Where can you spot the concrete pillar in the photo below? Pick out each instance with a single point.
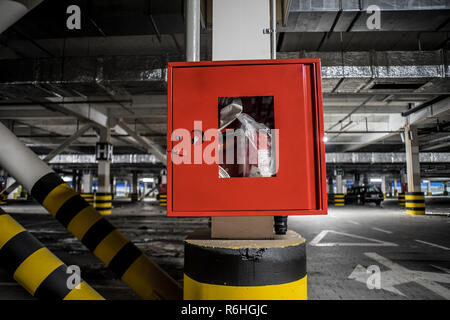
(344, 186)
(412, 159)
(383, 185)
(414, 198)
(134, 187)
(339, 189)
(445, 188)
(395, 187)
(86, 181)
(104, 184)
(365, 180)
(429, 188)
(102, 197)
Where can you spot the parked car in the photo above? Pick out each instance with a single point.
(364, 194)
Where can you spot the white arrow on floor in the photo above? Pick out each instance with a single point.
(398, 275)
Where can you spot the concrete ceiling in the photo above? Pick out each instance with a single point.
(52, 80)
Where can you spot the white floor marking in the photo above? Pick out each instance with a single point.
(432, 244)
(354, 222)
(398, 275)
(373, 242)
(381, 230)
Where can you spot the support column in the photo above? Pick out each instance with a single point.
(213, 268)
(445, 188)
(383, 186)
(134, 187)
(414, 198)
(429, 193)
(102, 198)
(86, 187)
(339, 197)
(395, 188)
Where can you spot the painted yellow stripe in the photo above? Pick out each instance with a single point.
(415, 205)
(35, 269)
(144, 275)
(109, 246)
(8, 229)
(103, 197)
(103, 205)
(83, 221)
(339, 204)
(419, 197)
(415, 213)
(57, 197)
(194, 290)
(85, 292)
(163, 196)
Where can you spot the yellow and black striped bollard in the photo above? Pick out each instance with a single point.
(415, 203)
(89, 197)
(3, 198)
(163, 200)
(34, 267)
(401, 199)
(339, 199)
(103, 202)
(107, 243)
(245, 270)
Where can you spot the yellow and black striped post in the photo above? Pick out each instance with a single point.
(339, 199)
(89, 197)
(245, 269)
(134, 197)
(415, 203)
(3, 198)
(401, 199)
(34, 267)
(107, 243)
(103, 202)
(163, 199)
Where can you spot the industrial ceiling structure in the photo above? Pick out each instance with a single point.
(112, 73)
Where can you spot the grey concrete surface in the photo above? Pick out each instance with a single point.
(411, 252)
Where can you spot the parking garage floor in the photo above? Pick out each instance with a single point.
(346, 249)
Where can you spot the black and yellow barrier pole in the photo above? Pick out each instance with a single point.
(103, 202)
(415, 203)
(339, 199)
(245, 269)
(163, 199)
(89, 197)
(3, 198)
(129, 263)
(35, 268)
(401, 199)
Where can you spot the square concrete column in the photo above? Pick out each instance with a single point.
(412, 159)
(383, 185)
(104, 182)
(339, 187)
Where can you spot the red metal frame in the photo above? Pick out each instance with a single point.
(309, 75)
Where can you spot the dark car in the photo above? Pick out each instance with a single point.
(361, 195)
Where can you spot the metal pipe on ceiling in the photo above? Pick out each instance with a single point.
(424, 105)
(192, 33)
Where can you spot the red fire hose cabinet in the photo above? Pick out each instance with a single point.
(245, 138)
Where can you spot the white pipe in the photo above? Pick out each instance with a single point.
(273, 27)
(20, 162)
(12, 11)
(192, 30)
